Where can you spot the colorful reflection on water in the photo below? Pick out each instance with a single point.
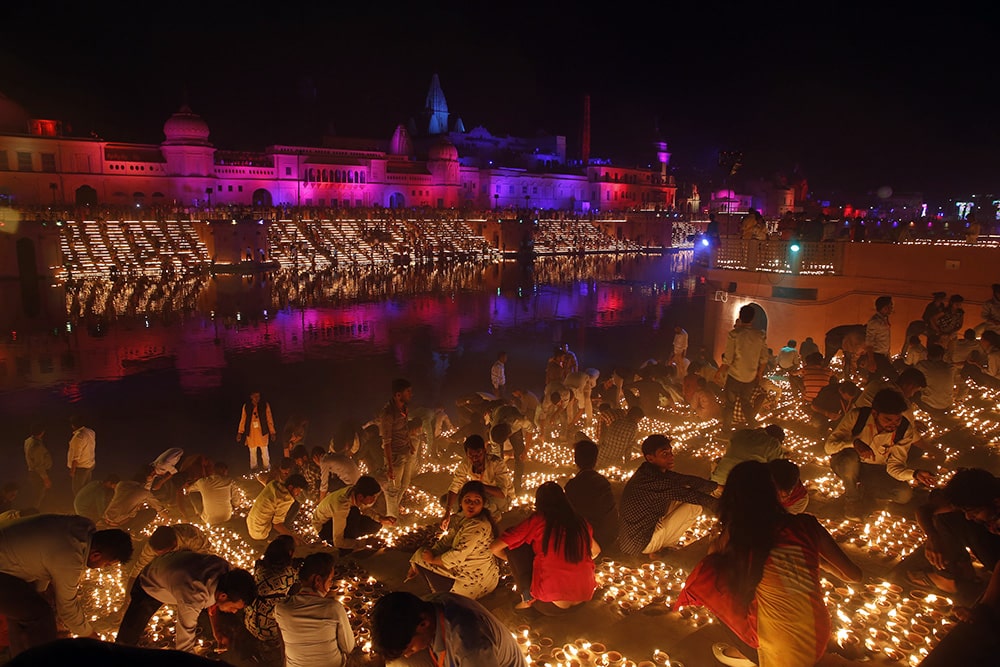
(183, 354)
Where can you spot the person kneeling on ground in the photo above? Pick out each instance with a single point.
(52, 550)
(342, 516)
(314, 625)
(480, 466)
(461, 561)
(551, 554)
(976, 640)
(194, 583)
(658, 505)
(964, 516)
(446, 628)
(868, 451)
(750, 444)
(762, 574)
(590, 494)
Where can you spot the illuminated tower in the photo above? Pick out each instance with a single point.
(663, 157)
(436, 108)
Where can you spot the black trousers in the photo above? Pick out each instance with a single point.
(358, 525)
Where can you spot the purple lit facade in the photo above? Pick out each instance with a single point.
(434, 163)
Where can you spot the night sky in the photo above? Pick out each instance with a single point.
(852, 97)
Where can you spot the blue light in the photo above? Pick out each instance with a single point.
(795, 247)
(704, 242)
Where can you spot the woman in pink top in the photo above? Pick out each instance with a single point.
(551, 554)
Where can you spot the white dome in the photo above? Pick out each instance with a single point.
(186, 127)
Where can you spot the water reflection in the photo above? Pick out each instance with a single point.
(99, 330)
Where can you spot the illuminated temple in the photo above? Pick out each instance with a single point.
(430, 162)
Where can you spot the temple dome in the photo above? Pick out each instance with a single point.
(186, 127)
(442, 149)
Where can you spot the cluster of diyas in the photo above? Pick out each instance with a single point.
(581, 652)
(103, 595)
(636, 588)
(884, 535)
(357, 591)
(878, 618)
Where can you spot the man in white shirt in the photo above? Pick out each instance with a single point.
(878, 337)
(337, 469)
(680, 345)
(489, 469)
(166, 539)
(498, 374)
(743, 363)
(193, 583)
(218, 495)
(39, 462)
(51, 551)
(82, 455)
(340, 518)
(126, 509)
(868, 452)
(271, 506)
(164, 467)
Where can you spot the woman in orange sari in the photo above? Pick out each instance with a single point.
(767, 563)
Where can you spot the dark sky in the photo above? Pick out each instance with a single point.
(855, 97)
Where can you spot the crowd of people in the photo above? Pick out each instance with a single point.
(761, 577)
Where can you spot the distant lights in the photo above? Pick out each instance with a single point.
(795, 247)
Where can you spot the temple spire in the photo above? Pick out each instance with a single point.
(436, 108)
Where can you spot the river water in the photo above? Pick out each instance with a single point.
(153, 366)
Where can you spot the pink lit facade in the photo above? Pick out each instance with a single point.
(39, 166)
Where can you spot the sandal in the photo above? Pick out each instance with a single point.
(724, 654)
(928, 579)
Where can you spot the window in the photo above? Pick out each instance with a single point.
(220, 188)
(230, 188)
(4, 165)
(498, 189)
(288, 171)
(240, 188)
(24, 161)
(534, 190)
(49, 162)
